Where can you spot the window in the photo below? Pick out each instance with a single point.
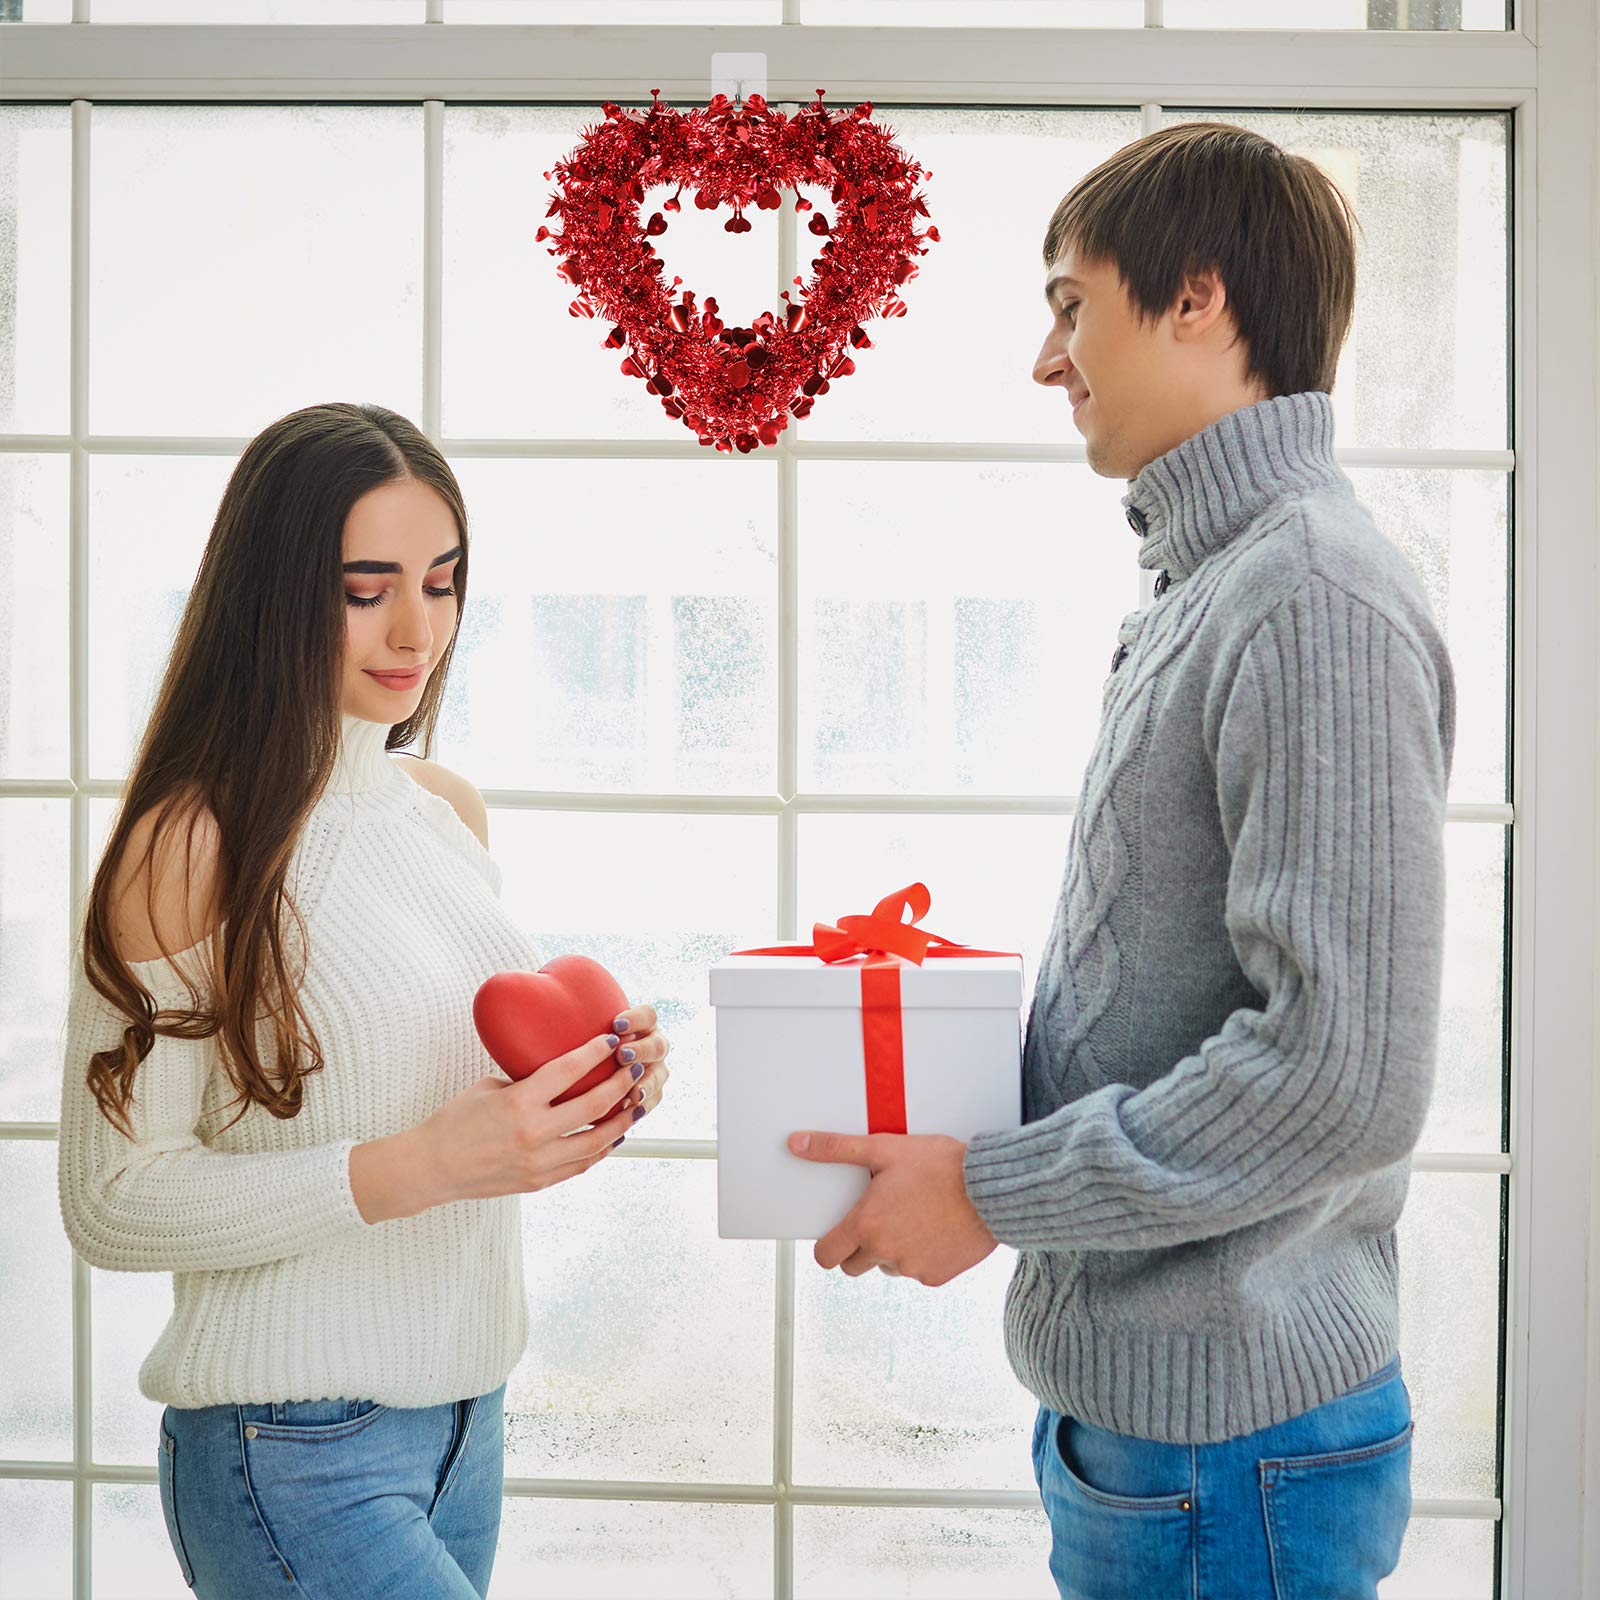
(740, 694)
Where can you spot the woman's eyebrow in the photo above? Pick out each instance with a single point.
(394, 566)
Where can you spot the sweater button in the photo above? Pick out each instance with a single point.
(1163, 583)
(1136, 520)
(1120, 656)
(249, 1433)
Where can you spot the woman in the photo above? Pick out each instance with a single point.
(347, 1292)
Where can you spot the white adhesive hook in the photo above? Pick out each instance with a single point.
(739, 74)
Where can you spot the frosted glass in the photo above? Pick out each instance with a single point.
(515, 363)
(35, 940)
(1432, 15)
(1443, 1558)
(883, 1553)
(42, 11)
(654, 13)
(959, 364)
(994, 879)
(620, 628)
(657, 900)
(133, 1558)
(130, 1309)
(35, 1315)
(599, 1549)
(650, 1350)
(874, 1405)
(1425, 365)
(33, 615)
(286, 269)
(35, 266)
(258, 11)
(974, 13)
(1452, 527)
(36, 1559)
(1465, 1113)
(149, 519)
(945, 608)
(1449, 1246)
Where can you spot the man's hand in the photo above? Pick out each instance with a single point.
(915, 1219)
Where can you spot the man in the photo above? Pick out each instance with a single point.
(1229, 1056)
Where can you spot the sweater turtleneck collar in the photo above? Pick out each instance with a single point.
(1189, 502)
(362, 764)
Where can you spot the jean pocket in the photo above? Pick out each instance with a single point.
(1335, 1521)
(1178, 1501)
(166, 1465)
(311, 1421)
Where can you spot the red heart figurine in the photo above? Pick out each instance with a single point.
(528, 1018)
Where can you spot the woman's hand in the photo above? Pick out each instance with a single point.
(642, 1041)
(503, 1137)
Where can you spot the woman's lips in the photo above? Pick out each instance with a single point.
(397, 680)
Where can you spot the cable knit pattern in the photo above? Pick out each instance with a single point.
(281, 1290)
(1230, 1052)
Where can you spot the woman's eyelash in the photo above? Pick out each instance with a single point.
(377, 599)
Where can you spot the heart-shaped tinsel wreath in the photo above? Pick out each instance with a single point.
(736, 388)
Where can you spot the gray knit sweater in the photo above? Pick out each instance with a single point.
(1231, 1047)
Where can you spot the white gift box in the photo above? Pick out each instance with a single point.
(790, 1056)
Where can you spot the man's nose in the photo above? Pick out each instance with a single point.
(1051, 365)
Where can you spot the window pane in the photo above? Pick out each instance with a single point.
(287, 266)
(873, 1402)
(1453, 528)
(598, 1549)
(33, 616)
(657, 900)
(132, 1557)
(35, 938)
(37, 1518)
(650, 1349)
(942, 606)
(933, 1554)
(1449, 1248)
(515, 363)
(1424, 15)
(975, 13)
(959, 364)
(1425, 365)
(35, 1317)
(655, 13)
(130, 1309)
(1443, 1558)
(149, 519)
(35, 265)
(258, 11)
(620, 628)
(993, 879)
(39, 11)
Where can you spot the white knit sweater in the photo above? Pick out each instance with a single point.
(281, 1291)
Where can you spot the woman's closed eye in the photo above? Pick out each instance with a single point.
(377, 599)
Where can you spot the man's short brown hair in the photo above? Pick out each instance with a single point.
(1203, 195)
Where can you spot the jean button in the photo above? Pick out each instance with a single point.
(249, 1433)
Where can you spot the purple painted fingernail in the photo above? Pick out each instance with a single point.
(629, 1054)
(638, 1111)
(619, 1141)
(638, 1070)
(612, 1041)
(621, 1024)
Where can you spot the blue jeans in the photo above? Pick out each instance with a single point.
(1312, 1509)
(334, 1499)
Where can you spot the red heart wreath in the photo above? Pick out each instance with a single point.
(737, 387)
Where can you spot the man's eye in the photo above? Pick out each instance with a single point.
(1070, 309)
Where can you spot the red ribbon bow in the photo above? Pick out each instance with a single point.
(885, 939)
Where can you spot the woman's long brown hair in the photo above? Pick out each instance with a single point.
(247, 723)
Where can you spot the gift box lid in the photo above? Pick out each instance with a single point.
(943, 981)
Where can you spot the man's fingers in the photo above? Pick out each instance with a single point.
(839, 1243)
(858, 1149)
(860, 1262)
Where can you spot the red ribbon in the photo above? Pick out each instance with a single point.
(885, 940)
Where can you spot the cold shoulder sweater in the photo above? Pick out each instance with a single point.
(281, 1290)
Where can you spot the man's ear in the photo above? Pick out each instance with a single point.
(1201, 303)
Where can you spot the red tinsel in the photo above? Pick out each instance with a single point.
(736, 388)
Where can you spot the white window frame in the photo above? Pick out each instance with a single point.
(1543, 73)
